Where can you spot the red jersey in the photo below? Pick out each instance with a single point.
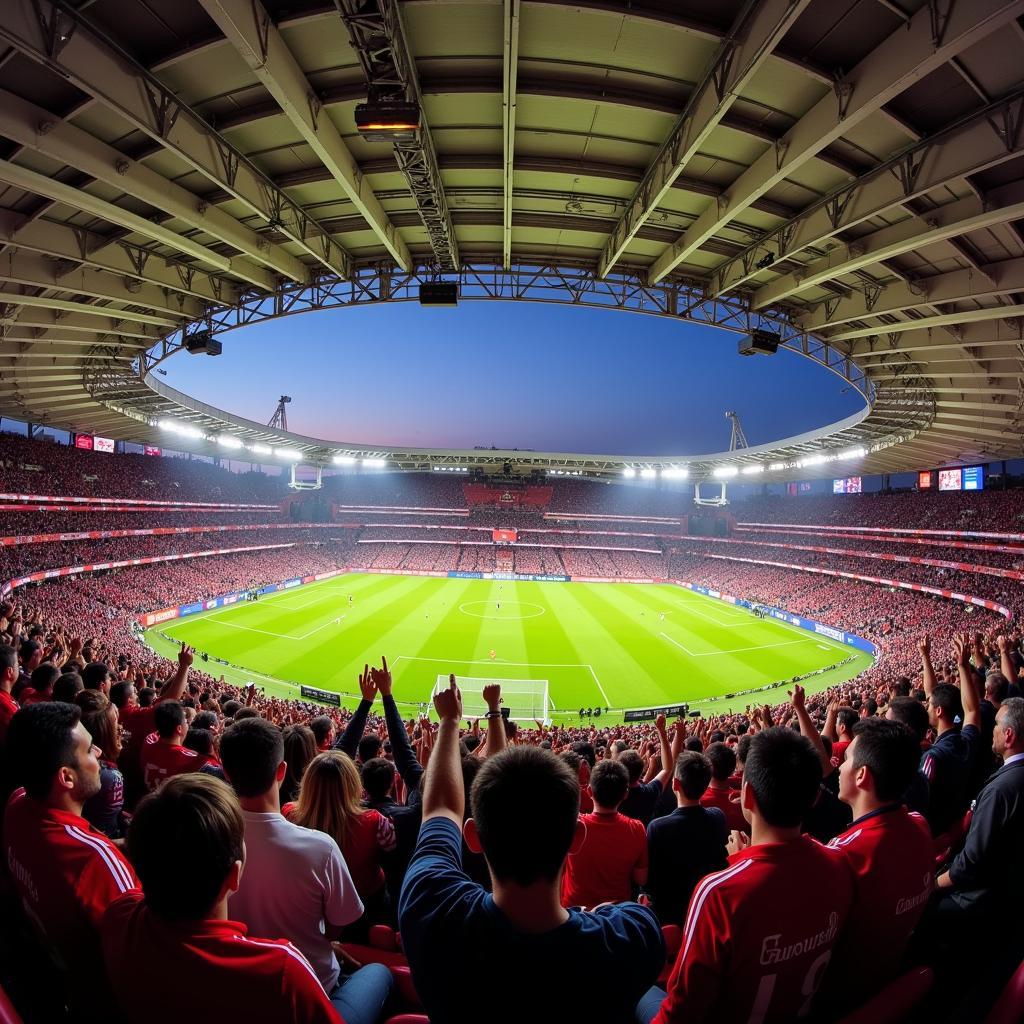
(33, 696)
(602, 870)
(370, 835)
(893, 861)
(162, 760)
(722, 799)
(260, 981)
(758, 935)
(839, 750)
(139, 722)
(67, 874)
(8, 709)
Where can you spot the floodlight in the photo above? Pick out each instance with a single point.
(675, 473)
(648, 473)
(812, 460)
(776, 466)
(375, 463)
(852, 453)
(724, 471)
(387, 120)
(184, 429)
(344, 460)
(288, 453)
(756, 468)
(227, 441)
(628, 472)
(261, 449)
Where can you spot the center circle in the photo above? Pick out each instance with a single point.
(466, 605)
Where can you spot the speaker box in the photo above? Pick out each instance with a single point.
(439, 293)
(202, 344)
(763, 342)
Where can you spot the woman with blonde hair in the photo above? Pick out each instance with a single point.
(331, 801)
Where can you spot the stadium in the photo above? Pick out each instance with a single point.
(315, 722)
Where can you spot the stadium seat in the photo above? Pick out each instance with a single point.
(408, 1018)
(385, 937)
(894, 1002)
(1009, 1008)
(8, 1014)
(673, 936)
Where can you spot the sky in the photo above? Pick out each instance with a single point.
(512, 375)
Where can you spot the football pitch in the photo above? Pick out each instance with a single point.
(607, 645)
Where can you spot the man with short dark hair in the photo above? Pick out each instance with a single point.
(525, 804)
(846, 719)
(296, 882)
(759, 934)
(949, 761)
(890, 853)
(720, 792)
(323, 731)
(167, 755)
(643, 796)
(687, 844)
(913, 714)
(186, 839)
(8, 677)
(612, 861)
(65, 871)
(97, 676)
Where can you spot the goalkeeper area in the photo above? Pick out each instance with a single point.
(555, 647)
(526, 699)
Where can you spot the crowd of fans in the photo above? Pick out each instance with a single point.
(175, 846)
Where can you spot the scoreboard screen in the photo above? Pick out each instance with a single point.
(974, 478)
(950, 479)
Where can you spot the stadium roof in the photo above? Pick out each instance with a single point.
(846, 173)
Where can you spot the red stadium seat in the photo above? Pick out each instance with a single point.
(8, 1014)
(408, 1018)
(673, 936)
(894, 1002)
(1009, 1009)
(383, 936)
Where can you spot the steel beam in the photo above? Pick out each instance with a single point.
(993, 279)
(25, 267)
(8, 298)
(77, 323)
(510, 73)
(76, 247)
(43, 132)
(378, 39)
(903, 58)
(248, 27)
(42, 185)
(66, 41)
(988, 137)
(758, 28)
(957, 218)
(965, 316)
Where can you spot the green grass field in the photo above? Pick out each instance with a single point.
(616, 645)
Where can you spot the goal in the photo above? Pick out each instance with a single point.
(526, 699)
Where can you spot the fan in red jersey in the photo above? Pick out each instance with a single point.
(750, 950)
(167, 757)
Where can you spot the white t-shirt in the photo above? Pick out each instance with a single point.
(294, 884)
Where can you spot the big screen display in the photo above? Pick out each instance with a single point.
(950, 479)
(924, 480)
(103, 444)
(84, 441)
(150, 449)
(848, 485)
(504, 536)
(974, 478)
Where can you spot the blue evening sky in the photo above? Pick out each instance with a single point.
(512, 375)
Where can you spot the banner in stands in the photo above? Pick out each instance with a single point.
(942, 563)
(458, 574)
(803, 527)
(149, 502)
(649, 714)
(503, 536)
(156, 531)
(322, 696)
(968, 545)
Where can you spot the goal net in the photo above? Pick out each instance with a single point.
(526, 699)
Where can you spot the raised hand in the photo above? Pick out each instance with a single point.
(448, 703)
(962, 646)
(796, 695)
(367, 685)
(381, 678)
(186, 656)
(491, 695)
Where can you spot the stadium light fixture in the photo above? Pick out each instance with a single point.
(648, 473)
(181, 428)
(344, 460)
(260, 449)
(775, 467)
(227, 441)
(628, 472)
(756, 468)
(725, 471)
(375, 463)
(812, 460)
(288, 453)
(675, 473)
(852, 453)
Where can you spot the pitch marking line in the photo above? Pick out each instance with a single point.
(734, 650)
(511, 664)
(265, 632)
